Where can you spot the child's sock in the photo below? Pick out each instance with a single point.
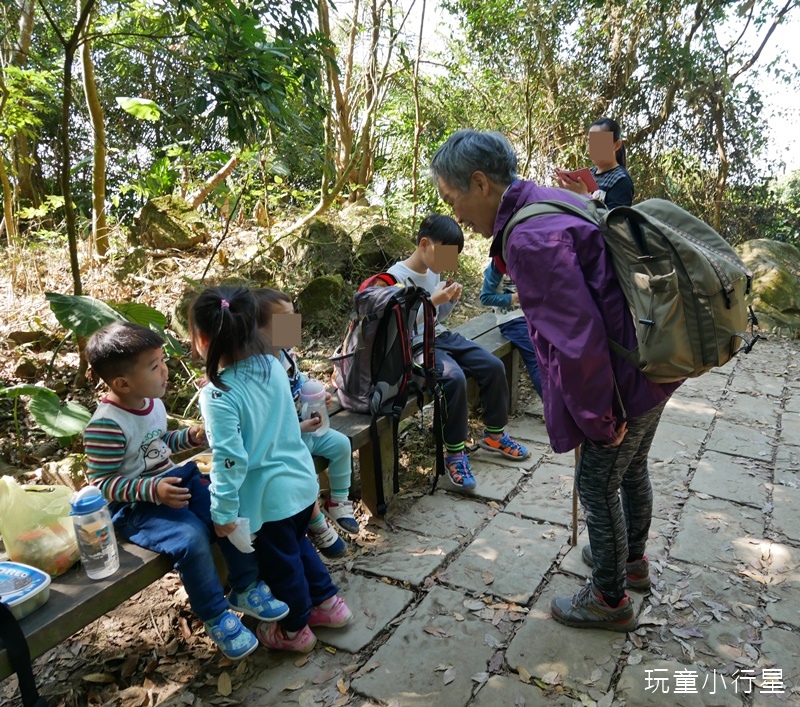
(339, 495)
(495, 430)
(329, 602)
(291, 634)
(318, 524)
(453, 449)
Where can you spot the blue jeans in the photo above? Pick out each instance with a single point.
(185, 535)
(291, 566)
(516, 331)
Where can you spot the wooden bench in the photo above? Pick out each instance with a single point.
(75, 601)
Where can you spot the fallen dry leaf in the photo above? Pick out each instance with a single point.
(437, 631)
(296, 684)
(99, 678)
(300, 662)
(341, 686)
(224, 686)
(524, 675)
(324, 676)
(457, 616)
(480, 678)
(448, 676)
(488, 578)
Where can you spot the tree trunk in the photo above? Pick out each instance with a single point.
(417, 125)
(99, 225)
(199, 197)
(22, 152)
(722, 154)
(8, 196)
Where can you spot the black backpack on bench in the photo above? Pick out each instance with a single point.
(20, 657)
(375, 368)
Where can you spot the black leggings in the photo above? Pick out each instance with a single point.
(614, 487)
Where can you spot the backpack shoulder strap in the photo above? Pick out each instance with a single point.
(19, 657)
(591, 213)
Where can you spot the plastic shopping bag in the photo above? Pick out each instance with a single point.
(36, 527)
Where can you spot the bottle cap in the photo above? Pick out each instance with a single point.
(312, 390)
(87, 500)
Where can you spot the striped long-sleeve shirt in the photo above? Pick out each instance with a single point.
(127, 450)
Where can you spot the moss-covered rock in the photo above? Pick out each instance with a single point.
(131, 263)
(321, 300)
(169, 222)
(322, 249)
(776, 282)
(380, 247)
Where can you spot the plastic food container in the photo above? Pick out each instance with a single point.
(23, 588)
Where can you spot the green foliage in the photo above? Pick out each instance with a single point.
(64, 421)
(82, 315)
(142, 108)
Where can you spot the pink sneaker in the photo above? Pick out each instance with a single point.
(275, 638)
(336, 616)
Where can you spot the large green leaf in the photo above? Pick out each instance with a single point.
(27, 389)
(83, 315)
(140, 313)
(62, 421)
(142, 108)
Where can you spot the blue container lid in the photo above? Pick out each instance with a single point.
(87, 500)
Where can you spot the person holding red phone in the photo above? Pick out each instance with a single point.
(607, 152)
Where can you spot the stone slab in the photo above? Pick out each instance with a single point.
(786, 511)
(669, 482)
(373, 603)
(676, 443)
(790, 434)
(787, 466)
(653, 683)
(507, 542)
(783, 585)
(443, 515)
(565, 459)
(719, 534)
(583, 659)
(740, 440)
(689, 412)
(528, 429)
(764, 382)
(502, 691)
(780, 650)
(404, 668)
(793, 402)
(495, 481)
(405, 556)
(733, 478)
(546, 495)
(750, 409)
(709, 387)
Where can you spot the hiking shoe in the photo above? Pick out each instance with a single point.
(342, 515)
(637, 573)
(233, 639)
(505, 445)
(257, 601)
(458, 472)
(276, 639)
(588, 609)
(335, 616)
(328, 543)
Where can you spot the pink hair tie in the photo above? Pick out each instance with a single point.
(224, 304)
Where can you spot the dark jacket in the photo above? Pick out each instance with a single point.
(573, 303)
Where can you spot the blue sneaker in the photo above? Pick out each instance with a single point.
(459, 473)
(233, 639)
(328, 543)
(257, 601)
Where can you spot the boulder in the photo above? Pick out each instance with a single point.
(776, 282)
(132, 262)
(379, 247)
(322, 249)
(69, 471)
(169, 222)
(320, 302)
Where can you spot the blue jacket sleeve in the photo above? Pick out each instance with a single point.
(489, 295)
(229, 457)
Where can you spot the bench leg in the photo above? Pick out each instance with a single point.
(366, 463)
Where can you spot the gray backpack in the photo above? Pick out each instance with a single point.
(683, 282)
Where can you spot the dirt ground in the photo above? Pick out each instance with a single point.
(152, 646)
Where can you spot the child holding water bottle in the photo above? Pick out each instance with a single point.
(317, 435)
(261, 470)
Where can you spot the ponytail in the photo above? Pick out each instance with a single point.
(228, 318)
(612, 126)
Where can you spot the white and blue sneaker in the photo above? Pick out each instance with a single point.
(233, 639)
(257, 601)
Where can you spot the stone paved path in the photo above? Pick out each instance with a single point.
(451, 603)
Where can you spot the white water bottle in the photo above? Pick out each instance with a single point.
(312, 396)
(95, 533)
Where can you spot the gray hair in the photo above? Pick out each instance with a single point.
(469, 151)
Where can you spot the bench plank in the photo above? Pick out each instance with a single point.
(75, 600)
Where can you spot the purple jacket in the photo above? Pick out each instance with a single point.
(573, 304)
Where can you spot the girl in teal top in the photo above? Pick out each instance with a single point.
(261, 470)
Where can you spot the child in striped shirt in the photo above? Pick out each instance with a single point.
(155, 504)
